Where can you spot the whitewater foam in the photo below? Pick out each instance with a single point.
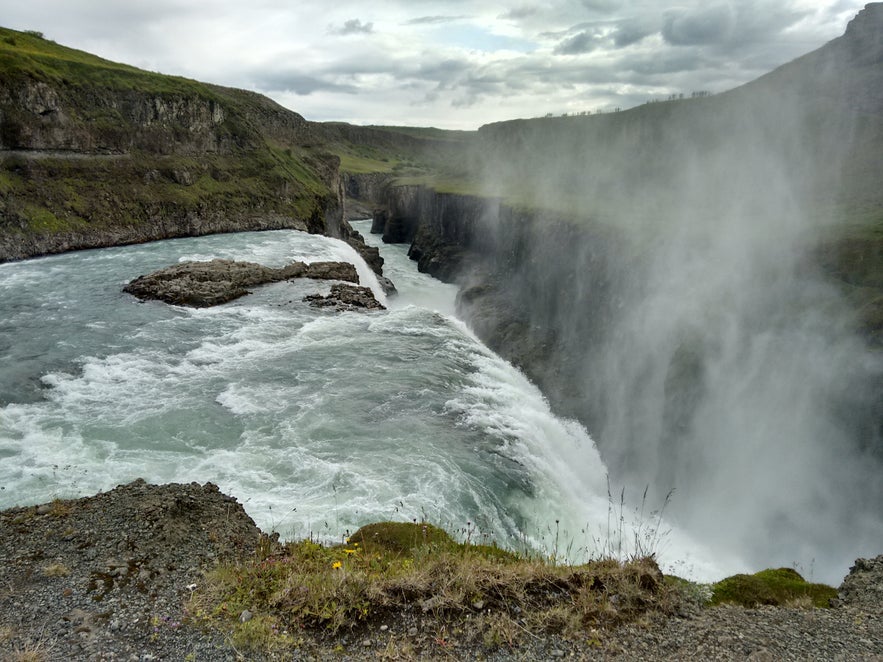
(318, 422)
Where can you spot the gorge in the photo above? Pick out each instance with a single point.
(697, 282)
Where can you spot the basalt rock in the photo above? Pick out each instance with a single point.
(863, 586)
(388, 286)
(204, 284)
(346, 297)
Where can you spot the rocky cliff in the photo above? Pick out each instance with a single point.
(520, 271)
(95, 153)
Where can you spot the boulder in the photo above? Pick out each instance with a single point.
(388, 286)
(346, 297)
(863, 586)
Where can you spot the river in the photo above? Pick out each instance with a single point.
(318, 422)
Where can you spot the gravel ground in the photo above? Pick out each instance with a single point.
(107, 578)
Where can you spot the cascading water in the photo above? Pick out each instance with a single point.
(318, 422)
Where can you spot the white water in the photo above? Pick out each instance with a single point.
(317, 422)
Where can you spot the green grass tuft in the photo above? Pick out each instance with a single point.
(778, 587)
(390, 567)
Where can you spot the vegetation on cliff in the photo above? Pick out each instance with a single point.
(488, 596)
(97, 153)
(393, 568)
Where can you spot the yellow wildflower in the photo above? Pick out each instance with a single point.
(349, 551)
(336, 565)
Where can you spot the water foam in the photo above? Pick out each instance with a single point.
(318, 423)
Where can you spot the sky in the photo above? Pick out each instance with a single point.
(453, 64)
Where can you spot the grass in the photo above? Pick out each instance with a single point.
(476, 594)
(27, 53)
(30, 650)
(779, 587)
(44, 196)
(390, 568)
(56, 570)
(355, 164)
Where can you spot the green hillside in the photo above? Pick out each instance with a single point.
(96, 153)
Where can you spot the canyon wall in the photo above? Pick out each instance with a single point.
(95, 153)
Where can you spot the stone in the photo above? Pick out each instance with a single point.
(388, 286)
(863, 586)
(346, 297)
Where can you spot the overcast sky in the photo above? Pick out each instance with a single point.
(448, 63)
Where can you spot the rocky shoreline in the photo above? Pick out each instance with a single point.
(109, 577)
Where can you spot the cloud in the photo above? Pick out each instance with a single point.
(434, 20)
(429, 63)
(730, 25)
(353, 26)
(301, 85)
(604, 6)
(519, 13)
(705, 25)
(582, 42)
(631, 31)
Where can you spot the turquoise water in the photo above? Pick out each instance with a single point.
(318, 422)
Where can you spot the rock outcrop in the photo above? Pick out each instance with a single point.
(346, 297)
(863, 586)
(362, 193)
(445, 231)
(204, 284)
(104, 154)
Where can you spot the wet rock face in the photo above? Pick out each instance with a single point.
(204, 284)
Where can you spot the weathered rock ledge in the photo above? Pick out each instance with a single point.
(204, 284)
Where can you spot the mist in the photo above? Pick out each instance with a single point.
(686, 318)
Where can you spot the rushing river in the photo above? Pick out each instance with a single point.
(318, 422)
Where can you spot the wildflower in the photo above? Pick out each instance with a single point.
(336, 565)
(349, 551)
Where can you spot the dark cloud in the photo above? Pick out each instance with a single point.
(444, 72)
(729, 26)
(301, 84)
(590, 36)
(654, 67)
(631, 31)
(433, 20)
(605, 6)
(707, 25)
(354, 26)
(519, 13)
